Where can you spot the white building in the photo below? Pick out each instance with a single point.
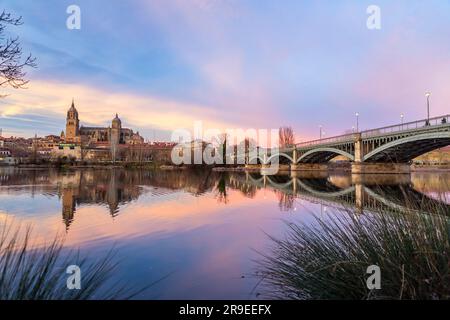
(4, 152)
(66, 150)
(6, 158)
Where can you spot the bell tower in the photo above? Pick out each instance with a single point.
(72, 124)
(116, 128)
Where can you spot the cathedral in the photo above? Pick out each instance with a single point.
(98, 136)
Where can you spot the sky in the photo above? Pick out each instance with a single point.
(163, 64)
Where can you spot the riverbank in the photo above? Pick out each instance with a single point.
(430, 168)
(89, 165)
(248, 168)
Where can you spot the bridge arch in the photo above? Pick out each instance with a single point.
(271, 157)
(280, 155)
(280, 186)
(384, 201)
(276, 185)
(406, 149)
(324, 155)
(324, 194)
(250, 160)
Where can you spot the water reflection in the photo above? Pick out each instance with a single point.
(364, 192)
(116, 188)
(401, 229)
(110, 188)
(202, 226)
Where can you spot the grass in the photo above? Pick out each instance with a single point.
(328, 259)
(29, 272)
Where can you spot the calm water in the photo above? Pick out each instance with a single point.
(201, 229)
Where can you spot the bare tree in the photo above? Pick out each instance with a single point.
(11, 63)
(246, 148)
(221, 142)
(286, 135)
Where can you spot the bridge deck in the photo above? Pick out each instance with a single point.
(398, 129)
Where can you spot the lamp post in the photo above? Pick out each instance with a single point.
(428, 94)
(401, 117)
(320, 129)
(357, 121)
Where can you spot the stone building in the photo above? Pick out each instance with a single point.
(104, 136)
(104, 144)
(68, 151)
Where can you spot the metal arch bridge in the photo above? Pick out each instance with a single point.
(393, 144)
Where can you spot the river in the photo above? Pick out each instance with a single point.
(199, 233)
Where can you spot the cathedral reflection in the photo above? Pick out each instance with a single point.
(111, 188)
(114, 188)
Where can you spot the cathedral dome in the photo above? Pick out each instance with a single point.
(116, 122)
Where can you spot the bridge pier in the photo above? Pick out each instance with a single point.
(309, 167)
(294, 185)
(360, 167)
(294, 156)
(358, 148)
(392, 168)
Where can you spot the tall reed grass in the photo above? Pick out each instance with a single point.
(31, 272)
(328, 259)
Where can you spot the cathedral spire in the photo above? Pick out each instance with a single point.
(72, 106)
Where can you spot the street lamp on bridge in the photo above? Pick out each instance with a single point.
(428, 94)
(401, 117)
(320, 129)
(357, 121)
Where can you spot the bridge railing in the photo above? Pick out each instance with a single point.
(435, 121)
(335, 139)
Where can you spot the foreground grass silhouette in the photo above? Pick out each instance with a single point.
(328, 259)
(29, 272)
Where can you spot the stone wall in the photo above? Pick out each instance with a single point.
(379, 168)
(440, 156)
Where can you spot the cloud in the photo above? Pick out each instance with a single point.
(98, 106)
(236, 64)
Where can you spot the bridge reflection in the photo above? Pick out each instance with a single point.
(368, 192)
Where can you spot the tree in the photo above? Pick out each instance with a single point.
(247, 148)
(221, 142)
(12, 65)
(286, 135)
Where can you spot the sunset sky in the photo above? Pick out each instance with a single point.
(164, 64)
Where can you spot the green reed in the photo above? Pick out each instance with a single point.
(31, 272)
(328, 259)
